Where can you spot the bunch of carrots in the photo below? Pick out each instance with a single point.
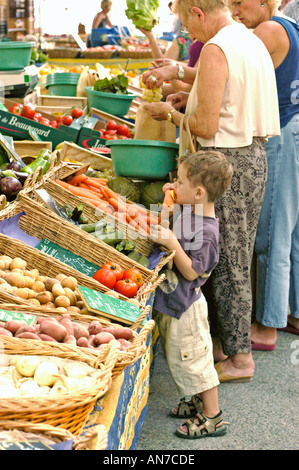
(96, 192)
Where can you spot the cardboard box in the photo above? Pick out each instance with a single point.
(72, 152)
(18, 127)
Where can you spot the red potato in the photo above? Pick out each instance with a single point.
(14, 325)
(27, 335)
(55, 330)
(103, 338)
(80, 330)
(95, 327)
(124, 333)
(26, 329)
(109, 329)
(82, 342)
(66, 321)
(5, 332)
(124, 344)
(44, 337)
(69, 339)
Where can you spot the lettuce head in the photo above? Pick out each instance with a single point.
(143, 13)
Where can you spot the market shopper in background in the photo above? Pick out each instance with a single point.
(102, 19)
(180, 308)
(232, 109)
(277, 241)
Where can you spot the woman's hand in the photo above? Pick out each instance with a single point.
(155, 77)
(178, 100)
(157, 63)
(158, 110)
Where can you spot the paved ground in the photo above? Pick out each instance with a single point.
(263, 413)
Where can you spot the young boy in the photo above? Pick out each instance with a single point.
(180, 308)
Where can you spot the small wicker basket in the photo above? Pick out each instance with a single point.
(96, 434)
(142, 54)
(66, 410)
(63, 53)
(97, 54)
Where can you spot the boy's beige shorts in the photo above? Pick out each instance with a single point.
(188, 348)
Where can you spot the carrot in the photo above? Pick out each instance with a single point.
(95, 190)
(168, 199)
(77, 179)
(143, 223)
(100, 180)
(81, 192)
(95, 184)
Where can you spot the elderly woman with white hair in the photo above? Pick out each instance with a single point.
(232, 107)
(277, 241)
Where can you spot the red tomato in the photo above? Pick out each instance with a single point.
(109, 137)
(135, 275)
(110, 132)
(67, 120)
(115, 268)
(44, 121)
(126, 287)
(17, 109)
(77, 112)
(105, 277)
(53, 124)
(111, 125)
(29, 111)
(37, 117)
(59, 118)
(123, 129)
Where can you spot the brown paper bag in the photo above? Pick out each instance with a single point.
(147, 128)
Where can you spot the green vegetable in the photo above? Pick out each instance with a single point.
(43, 160)
(151, 194)
(110, 238)
(117, 85)
(125, 246)
(124, 187)
(143, 13)
(68, 210)
(77, 212)
(141, 259)
(83, 219)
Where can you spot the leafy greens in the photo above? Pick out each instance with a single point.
(143, 13)
(117, 85)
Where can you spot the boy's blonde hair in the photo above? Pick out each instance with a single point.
(209, 168)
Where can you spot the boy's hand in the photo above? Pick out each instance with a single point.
(163, 235)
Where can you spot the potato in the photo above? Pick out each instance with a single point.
(95, 327)
(18, 263)
(80, 330)
(3, 264)
(25, 328)
(57, 289)
(103, 338)
(112, 293)
(49, 282)
(70, 295)
(61, 309)
(31, 293)
(82, 342)
(67, 323)
(7, 260)
(124, 344)
(22, 292)
(38, 286)
(5, 332)
(44, 337)
(34, 302)
(34, 273)
(74, 309)
(70, 282)
(50, 305)
(91, 342)
(53, 329)
(45, 297)
(14, 325)
(124, 333)
(62, 301)
(69, 339)
(109, 329)
(60, 277)
(27, 335)
(80, 304)
(6, 287)
(15, 279)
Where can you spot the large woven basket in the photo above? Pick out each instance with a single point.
(97, 54)
(94, 357)
(95, 437)
(142, 54)
(63, 53)
(68, 411)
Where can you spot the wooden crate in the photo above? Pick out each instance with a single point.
(73, 153)
(62, 101)
(30, 147)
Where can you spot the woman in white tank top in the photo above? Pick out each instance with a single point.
(233, 107)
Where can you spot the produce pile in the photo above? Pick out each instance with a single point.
(29, 111)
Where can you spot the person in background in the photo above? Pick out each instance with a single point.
(238, 128)
(102, 19)
(292, 10)
(277, 240)
(180, 308)
(176, 24)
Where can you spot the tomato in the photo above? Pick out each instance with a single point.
(105, 277)
(123, 129)
(67, 120)
(17, 109)
(37, 117)
(110, 132)
(59, 118)
(126, 287)
(44, 121)
(53, 124)
(109, 137)
(77, 112)
(115, 268)
(135, 275)
(28, 111)
(111, 125)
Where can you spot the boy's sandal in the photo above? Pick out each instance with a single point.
(187, 409)
(202, 426)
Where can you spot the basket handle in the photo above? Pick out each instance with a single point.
(140, 319)
(3, 202)
(184, 126)
(141, 337)
(31, 179)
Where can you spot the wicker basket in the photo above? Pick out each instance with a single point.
(63, 53)
(97, 54)
(143, 54)
(68, 411)
(97, 433)
(93, 356)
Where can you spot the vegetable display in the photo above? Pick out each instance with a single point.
(143, 13)
(117, 85)
(125, 282)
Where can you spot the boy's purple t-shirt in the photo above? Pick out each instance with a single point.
(199, 237)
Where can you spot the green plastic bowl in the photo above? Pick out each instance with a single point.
(15, 55)
(143, 159)
(62, 90)
(112, 103)
(62, 84)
